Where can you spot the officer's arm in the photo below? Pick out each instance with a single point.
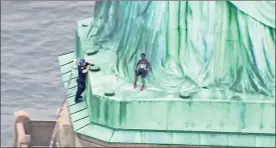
(85, 70)
(88, 63)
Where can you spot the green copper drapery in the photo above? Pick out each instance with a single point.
(227, 45)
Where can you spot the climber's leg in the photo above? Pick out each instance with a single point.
(137, 73)
(143, 75)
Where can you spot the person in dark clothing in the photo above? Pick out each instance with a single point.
(141, 69)
(81, 80)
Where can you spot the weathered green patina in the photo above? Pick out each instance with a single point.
(226, 64)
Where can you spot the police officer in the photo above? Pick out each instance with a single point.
(82, 71)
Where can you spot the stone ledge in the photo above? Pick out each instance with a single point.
(116, 137)
(230, 115)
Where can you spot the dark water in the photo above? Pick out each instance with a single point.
(33, 34)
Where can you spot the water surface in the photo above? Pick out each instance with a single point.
(33, 34)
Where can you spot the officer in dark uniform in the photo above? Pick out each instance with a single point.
(81, 80)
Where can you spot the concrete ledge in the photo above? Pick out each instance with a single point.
(92, 142)
(184, 115)
(139, 137)
(21, 129)
(66, 134)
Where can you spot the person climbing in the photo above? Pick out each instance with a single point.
(141, 69)
(81, 80)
